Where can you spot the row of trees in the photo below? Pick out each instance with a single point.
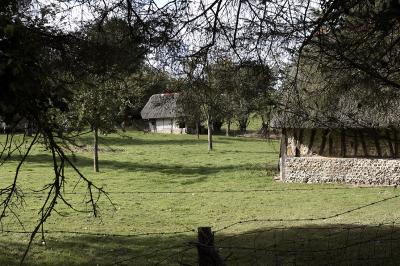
(210, 94)
(225, 91)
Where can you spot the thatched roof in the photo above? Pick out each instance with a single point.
(161, 106)
(346, 110)
(370, 119)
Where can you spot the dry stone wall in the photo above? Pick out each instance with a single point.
(360, 171)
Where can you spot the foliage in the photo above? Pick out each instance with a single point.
(115, 51)
(30, 63)
(204, 88)
(143, 84)
(203, 94)
(234, 92)
(98, 104)
(41, 68)
(348, 72)
(113, 48)
(114, 54)
(362, 51)
(252, 91)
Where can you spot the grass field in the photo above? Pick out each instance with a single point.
(255, 124)
(165, 186)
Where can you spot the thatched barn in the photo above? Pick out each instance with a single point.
(161, 114)
(353, 144)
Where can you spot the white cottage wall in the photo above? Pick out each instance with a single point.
(166, 125)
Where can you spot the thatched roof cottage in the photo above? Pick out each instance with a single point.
(161, 114)
(350, 142)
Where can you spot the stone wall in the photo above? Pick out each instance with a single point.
(342, 170)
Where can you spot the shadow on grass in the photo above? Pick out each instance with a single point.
(161, 139)
(248, 139)
(251, 152)
(156, 140)
(307, 245)
(168, 169)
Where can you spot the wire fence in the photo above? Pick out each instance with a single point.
(298, 241)
(276, 190)
(332, 245)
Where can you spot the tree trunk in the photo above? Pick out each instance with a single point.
(243, 125)
(242, 129)
(198, 130)
(96, 150)
(209, 127)
(264, 128)
(228, 128)
(28, 129)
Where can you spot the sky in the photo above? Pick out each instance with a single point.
(70, 15)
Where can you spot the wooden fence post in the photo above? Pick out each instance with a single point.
(208, 256)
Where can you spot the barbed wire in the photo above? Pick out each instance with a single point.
(303, 252)
(101, 234)
(286, 241)
(321, 218)
(224, 191)
(310, 219)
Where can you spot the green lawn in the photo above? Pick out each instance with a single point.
(161, 185)
(255, 124)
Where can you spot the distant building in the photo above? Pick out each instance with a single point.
(162, 116)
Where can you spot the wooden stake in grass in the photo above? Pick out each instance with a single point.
(208, 256)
